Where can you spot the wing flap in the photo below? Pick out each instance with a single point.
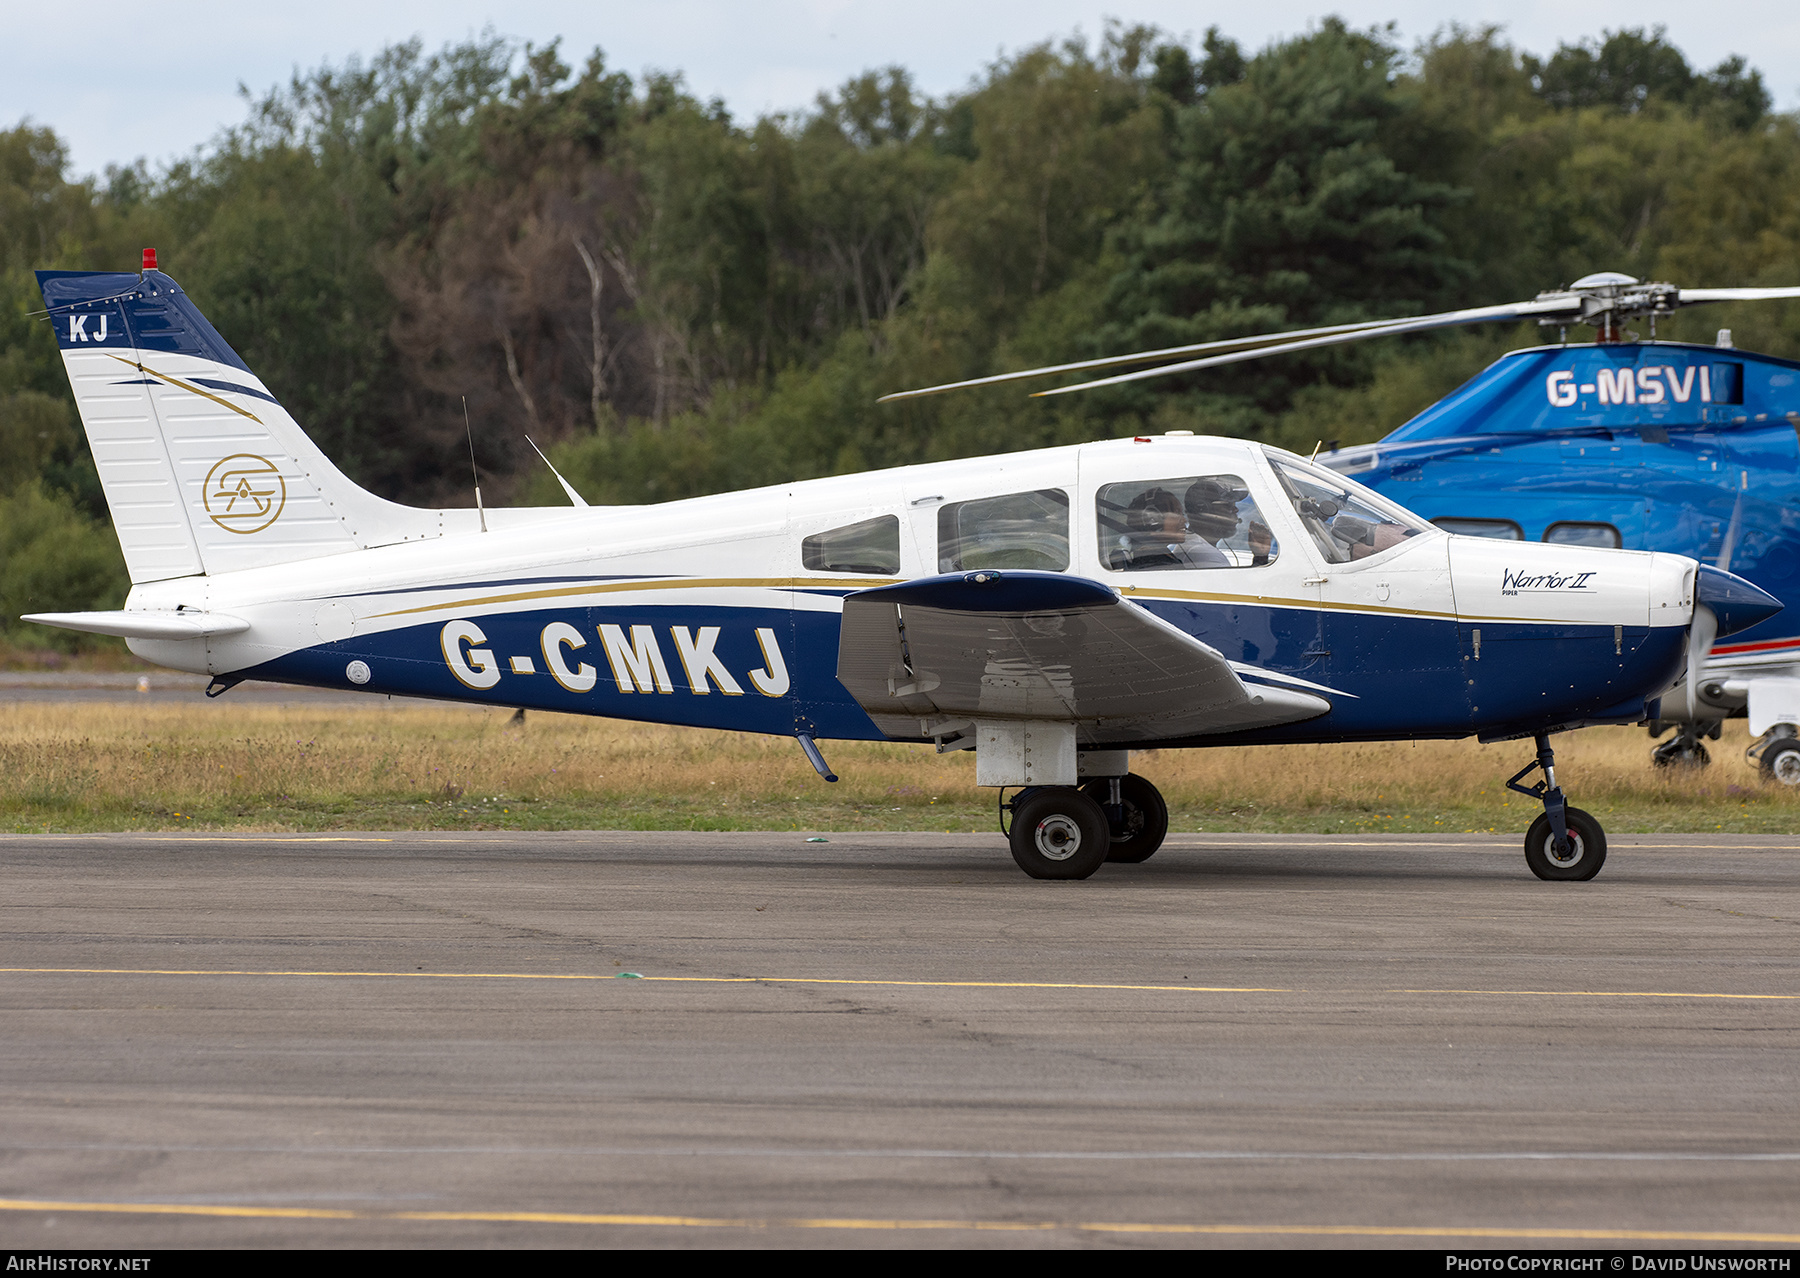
(924, 655)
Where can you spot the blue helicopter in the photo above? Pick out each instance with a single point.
(1616, 443)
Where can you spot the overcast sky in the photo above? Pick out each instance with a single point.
(158, 81)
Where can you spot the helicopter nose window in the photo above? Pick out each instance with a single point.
(1343, 523)
(1202, 521)
(871, 546)
(1574, 534)
(1019, 530)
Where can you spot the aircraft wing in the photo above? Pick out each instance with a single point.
(927, 658)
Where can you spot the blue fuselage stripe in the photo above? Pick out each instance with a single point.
(1398, 676)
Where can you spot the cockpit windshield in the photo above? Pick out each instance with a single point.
(1345, 520)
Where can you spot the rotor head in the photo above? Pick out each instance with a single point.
(1608, 298)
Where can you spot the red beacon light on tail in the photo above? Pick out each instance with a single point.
(149, 259)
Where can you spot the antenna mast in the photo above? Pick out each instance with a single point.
(480, 513)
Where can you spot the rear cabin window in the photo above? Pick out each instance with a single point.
(1019, 530)
(1202, 521)
(1582, 534)
(1498, 529)
(873, 546)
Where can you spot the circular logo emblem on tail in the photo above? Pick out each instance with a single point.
(244, 493)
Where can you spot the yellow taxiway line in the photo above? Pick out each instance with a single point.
(614, 976)
(872, 982)
(232, 1211)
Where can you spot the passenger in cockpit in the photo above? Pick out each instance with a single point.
(1212, 515)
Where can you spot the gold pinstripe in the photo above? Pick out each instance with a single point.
(670, 583)
(1319, 605)
(195, 390)
(866, 583)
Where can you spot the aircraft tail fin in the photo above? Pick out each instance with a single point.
(204, 470)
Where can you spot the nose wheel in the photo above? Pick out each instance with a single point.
(1564, 844)
(1577, 859)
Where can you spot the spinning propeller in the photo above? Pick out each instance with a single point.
(1604, 301)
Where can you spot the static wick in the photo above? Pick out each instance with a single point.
(479, 512)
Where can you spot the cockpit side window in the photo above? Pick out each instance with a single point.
(1019, 530)
(872, 546)
(1201, 521)
(1343, 524)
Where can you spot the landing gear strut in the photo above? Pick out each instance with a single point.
(1564, 843)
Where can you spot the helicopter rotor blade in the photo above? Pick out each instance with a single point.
(1139, 357)
(1445, 319)
(1690, 296)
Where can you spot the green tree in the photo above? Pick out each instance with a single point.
(1296, 198)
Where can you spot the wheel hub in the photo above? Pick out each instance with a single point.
(1786, 767)
(1058, 837)
(1564, 859)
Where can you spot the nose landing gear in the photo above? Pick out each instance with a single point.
(1564, 843)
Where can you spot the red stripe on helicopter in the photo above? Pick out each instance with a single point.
(1770, 645)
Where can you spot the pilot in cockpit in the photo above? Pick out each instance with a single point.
(1160, 537)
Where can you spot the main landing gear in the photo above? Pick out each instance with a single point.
(1564, 843)
(1060, 832)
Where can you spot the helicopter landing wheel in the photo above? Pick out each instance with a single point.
(1684, 750)
(1143, 817)
(1579, 861)
(1059, 833)
(1780, 762)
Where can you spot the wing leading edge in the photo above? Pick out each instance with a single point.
(928, 658)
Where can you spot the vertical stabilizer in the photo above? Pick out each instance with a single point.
(204, 471)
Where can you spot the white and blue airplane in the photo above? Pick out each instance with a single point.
(1050, 610)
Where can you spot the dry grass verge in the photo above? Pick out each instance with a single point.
(79, 766)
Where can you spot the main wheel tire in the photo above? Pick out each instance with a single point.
(1146, 822)
(1059, 833)
(1781, 761)
(1586, 854)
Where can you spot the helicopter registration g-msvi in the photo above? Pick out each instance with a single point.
(1050, 610)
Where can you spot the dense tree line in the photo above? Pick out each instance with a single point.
(674, 302)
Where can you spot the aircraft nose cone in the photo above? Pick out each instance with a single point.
(1735, 602)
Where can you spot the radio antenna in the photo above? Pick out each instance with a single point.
(479, 512)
